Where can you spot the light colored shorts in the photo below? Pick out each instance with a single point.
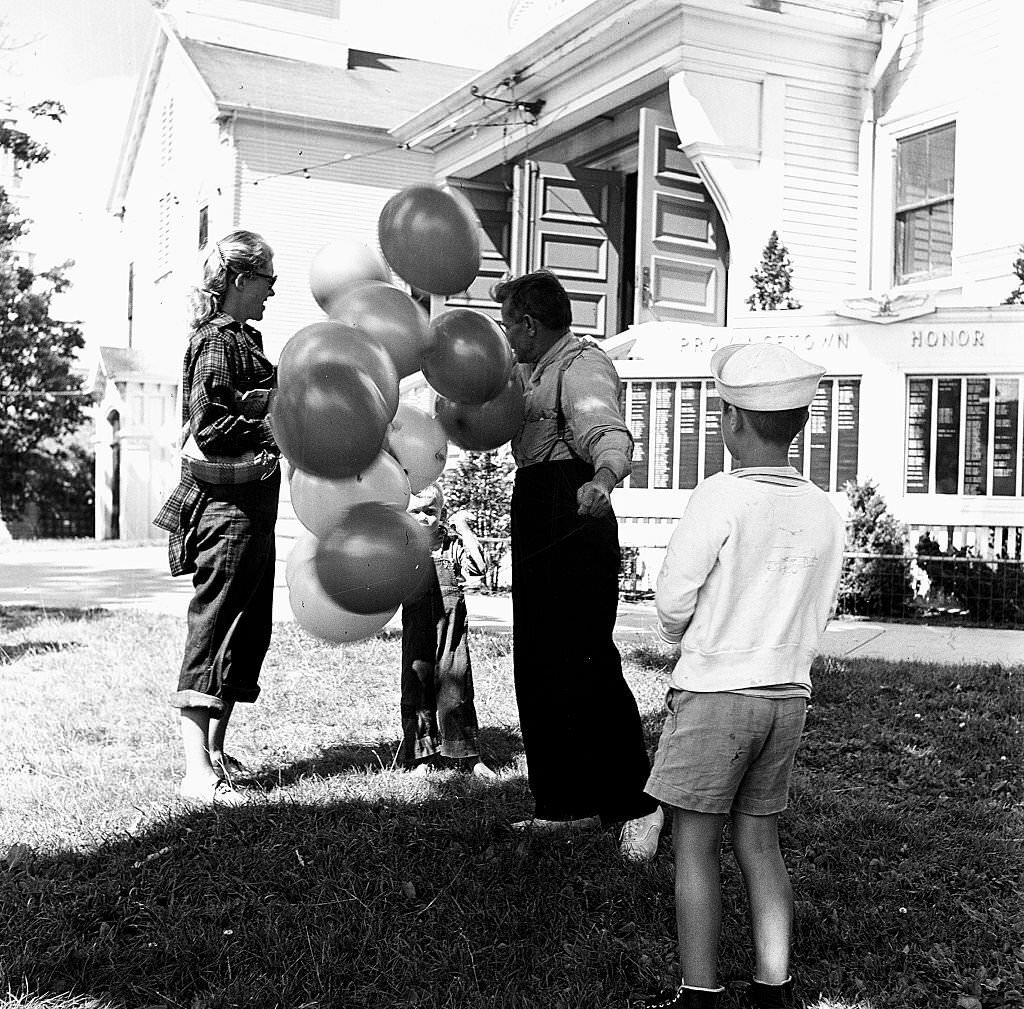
(722, 752)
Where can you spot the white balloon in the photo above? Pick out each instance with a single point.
(303, 551)
(419, 443)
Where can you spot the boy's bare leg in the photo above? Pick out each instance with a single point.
(218, 727)
(755, 841)
(195, 730)
(697, 840)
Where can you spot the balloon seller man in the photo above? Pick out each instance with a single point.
(438, 715)
(745, 591)
(586, 758)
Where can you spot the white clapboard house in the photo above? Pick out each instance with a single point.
(254, 114)
(645, 150)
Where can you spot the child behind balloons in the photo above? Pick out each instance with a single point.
(438, 714)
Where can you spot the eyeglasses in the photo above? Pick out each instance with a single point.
(506, 326)
(270, 278)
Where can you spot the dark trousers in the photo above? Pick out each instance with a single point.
(231, 612)
(438, 714)
(581, 727)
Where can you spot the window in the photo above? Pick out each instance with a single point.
(924, 204)
(204, 226)
(964, 435)
(677, 438)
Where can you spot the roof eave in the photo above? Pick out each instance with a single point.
(586, 34)
(141, 104)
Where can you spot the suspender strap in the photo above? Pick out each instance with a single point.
(560, 420)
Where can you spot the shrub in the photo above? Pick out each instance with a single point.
(880, 585)
(992, 592)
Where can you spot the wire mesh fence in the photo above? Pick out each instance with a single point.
(933, 588)
(965, 590)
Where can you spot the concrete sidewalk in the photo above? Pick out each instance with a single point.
(85, 574)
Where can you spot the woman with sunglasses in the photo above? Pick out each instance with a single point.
(223, 533)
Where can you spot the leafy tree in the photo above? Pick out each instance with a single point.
(41, 400)
(1017, 295)
(773, 279)
(878, 582)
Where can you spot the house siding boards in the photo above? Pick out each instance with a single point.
(299, 215)
(952, 42)
(820, 203)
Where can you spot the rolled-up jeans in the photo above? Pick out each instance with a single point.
(231, 612)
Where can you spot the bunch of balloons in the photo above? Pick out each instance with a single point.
(356, 452)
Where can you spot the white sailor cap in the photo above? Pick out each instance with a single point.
(764, 376)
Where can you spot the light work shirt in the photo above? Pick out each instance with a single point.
(594, 428)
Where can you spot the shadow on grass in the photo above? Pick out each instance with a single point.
(499, 747)
(11, 653)
(17, 618)
(423, 902)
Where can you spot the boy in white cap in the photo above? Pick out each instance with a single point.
(746, 589)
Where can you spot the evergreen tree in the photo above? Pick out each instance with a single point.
(482, 483)
(879, 586)
(1017, 295)
(773, 279)
(41, 400)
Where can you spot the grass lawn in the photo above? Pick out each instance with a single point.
(349, 884)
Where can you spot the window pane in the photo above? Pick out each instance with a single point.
(689, 434)
(639, 425)
(925, 240)
(976, 437)
(919, 427)
(714, 449)
(664, 433)
(820, 426)
(1004, 446)
(912, 170)
(947, 437)
(849, 431)
(941, 152)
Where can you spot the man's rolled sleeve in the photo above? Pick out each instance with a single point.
(591, 403)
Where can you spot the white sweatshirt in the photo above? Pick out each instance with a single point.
(749, 580)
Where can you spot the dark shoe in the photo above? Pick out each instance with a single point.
(682, 998)
(770, 996)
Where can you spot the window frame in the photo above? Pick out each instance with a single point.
(929, 444)
(903, 211)
(706, 431)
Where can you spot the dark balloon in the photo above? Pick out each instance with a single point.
(388, 316)
(328, 343)
(329, 417)
(375, 558)
(487, 426)
(468, 359)
(431, 239)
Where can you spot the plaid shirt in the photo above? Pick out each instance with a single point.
(224, 360)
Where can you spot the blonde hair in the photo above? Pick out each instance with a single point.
(240, 253)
